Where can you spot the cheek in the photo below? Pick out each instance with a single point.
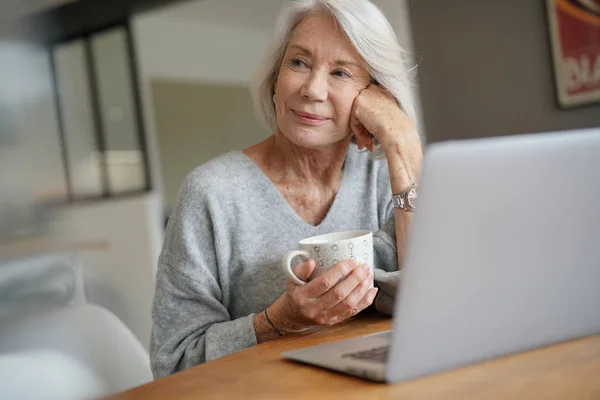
(287, 84)
(283, 90)
(343, 106)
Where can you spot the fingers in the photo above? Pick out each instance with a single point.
(360, 298)
(357, 128)
(367, 299)
(362, 136)
(304, 270)
(346, 287)
(366, 116)
(329, 279)
(371, 146)
(340, 293)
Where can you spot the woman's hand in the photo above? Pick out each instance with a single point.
(338, 294)
(375, 114)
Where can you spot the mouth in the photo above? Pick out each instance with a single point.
(310, 119)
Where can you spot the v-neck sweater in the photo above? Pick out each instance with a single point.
(220, 260)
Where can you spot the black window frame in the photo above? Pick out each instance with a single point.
(99, 132)
(83, 19)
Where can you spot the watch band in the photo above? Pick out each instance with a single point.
(400, 200)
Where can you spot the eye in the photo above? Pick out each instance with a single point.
(340, 73)
(298, 63)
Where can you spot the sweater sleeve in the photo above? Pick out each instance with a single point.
(190, 323)
(387, 275)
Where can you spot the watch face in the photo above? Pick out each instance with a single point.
(411, 197)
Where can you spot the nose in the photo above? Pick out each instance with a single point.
(315, 86)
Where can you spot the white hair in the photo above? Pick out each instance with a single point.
(370, 33)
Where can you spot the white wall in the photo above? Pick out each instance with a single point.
(169, 47)
(181, 49)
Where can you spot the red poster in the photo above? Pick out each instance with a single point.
(575, 35)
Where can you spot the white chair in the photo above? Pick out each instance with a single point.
(82, 351)
(46, 374)
(40, 280)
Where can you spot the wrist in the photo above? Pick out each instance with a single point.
(395, 134)
(406, 200)
(277, 331)
(404, 166)
(282, 314)
(262, 329)
(389, 142)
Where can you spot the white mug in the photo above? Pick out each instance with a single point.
(329, 249)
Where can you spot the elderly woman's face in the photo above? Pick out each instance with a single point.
(320, 75)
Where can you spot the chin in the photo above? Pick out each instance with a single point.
(312, 138)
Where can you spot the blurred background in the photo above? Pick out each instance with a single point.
(106, 105)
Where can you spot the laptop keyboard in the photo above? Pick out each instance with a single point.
(376, 355)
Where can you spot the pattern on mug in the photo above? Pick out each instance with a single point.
(327, 256)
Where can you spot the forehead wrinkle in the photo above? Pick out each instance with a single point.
(347, 55)
(340, 61)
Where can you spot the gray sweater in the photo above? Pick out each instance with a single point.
(219, 264)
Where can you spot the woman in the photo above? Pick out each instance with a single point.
(334, 82)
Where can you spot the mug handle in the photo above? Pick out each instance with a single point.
(286, 265)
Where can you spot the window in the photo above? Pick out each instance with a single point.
(99, 115)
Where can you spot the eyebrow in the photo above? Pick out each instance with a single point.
(337, 62)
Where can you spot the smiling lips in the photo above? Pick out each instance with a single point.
(310, 119)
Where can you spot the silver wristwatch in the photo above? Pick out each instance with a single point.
(406, 200)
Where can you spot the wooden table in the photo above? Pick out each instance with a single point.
(565, 371)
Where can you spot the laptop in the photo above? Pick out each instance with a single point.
(503, 256)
